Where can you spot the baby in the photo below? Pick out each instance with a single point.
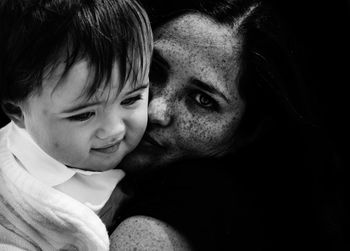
(74, 82)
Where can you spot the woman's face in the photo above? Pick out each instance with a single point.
(194, 104)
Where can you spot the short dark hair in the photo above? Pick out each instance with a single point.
(37, 35)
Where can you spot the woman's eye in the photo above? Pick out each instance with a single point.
(132, 100)
(82, 117)
(204, 100)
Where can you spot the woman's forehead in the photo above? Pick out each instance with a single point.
(199, 30)
(205, 50)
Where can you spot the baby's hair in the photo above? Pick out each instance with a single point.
(38, 35)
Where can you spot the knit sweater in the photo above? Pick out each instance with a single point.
(34, 216)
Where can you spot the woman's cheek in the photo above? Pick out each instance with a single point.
(201, 134)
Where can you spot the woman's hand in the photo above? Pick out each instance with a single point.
(146, 233)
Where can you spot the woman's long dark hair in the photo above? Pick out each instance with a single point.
(276, 188)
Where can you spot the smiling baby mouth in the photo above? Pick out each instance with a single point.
(108, 148)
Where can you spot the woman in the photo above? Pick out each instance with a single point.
(224, 55)
(237, 163)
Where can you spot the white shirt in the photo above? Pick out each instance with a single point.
(90, 188)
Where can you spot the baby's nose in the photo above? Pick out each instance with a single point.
(112, 128)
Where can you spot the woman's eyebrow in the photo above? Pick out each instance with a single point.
(209, 88)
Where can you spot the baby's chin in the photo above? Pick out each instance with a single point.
(96, 167)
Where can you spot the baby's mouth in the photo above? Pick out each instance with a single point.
(108, 149)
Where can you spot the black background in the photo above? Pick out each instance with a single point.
(321, 32)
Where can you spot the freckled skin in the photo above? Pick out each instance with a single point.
(194, 48)
(146, 233)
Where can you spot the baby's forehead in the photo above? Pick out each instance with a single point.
(78, 82)
(81, 78)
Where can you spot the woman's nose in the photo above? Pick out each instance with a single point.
(112, 128)
(159, 112)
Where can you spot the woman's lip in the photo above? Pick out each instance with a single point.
(147, 138)
(107, 149)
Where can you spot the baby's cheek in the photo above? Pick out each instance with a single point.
(67, 148)
(60, 149)
(56, 145)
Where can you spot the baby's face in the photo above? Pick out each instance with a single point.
(90, 134)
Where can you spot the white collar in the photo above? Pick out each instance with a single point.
(38, 163)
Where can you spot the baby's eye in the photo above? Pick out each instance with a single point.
(132, 100)
(82, 117)
(204, 100)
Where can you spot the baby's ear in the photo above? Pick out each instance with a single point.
(14, 112)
